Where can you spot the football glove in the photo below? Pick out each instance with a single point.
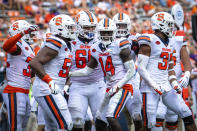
(30, 29)
(54, 87)
(185, 79)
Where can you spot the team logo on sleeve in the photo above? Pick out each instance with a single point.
(157, 42)
(93, 50)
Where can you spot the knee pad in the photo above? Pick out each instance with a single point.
(78, 123)
(172, 125)
(188, 120)
(159, 122)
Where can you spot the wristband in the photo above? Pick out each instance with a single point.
(171, 77)
(174, 84)
(47, 78)
(187, 73)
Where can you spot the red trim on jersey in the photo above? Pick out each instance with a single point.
(180, 33)
(47, 78)
(9, 45)
(159, 124)
(12, 89)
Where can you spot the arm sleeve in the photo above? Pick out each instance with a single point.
(82, 72)
(130, 67)
(9, 45)
(142, 64)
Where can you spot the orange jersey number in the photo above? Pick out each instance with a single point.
(65, 68)
(81, 61)
(27, 72)
(108, 66)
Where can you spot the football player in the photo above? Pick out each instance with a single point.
(19, 73)
(51, 66)
(123, 24)
(84, 90)
(114, 58)
(180, 56)
(155, 66)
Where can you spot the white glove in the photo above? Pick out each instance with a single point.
(54, 87)
(66, 87)
(30, 29)
(158, 89)
(185, 79)
(176, 87)
(111, 92)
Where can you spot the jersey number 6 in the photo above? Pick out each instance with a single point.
(81, 61)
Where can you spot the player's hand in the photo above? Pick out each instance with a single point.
(54, 87)
(185, 79)
(111, 92)
(69, 74)
(158, 89)
(176, 87)
(30, 29)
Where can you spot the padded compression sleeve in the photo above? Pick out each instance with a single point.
(130, 67)
(82, 72)
(142, 64)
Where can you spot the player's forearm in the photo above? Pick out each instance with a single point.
(185, 59)
(10, 44)
(142, 63)
(82, 72)
(130, 66)
(38, 68)
(171, 72)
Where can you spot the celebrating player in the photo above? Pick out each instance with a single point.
(85, 90)
(180, 56)
(156, 68)
(18, 73)
(52, 65)
(118, 67)
(133, 104)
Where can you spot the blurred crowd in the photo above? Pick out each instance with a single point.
(41, 11)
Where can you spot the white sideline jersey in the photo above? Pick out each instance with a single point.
(158, 61)
(81, 56)
(58, 68)
(18, 71)
(180, 42)
(110, 61)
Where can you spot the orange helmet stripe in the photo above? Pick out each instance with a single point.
(120, 16)
(90, 16)
(106, 22)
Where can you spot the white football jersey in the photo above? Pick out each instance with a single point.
(180, 42)
(158, 61)
(81, 56)
(18, 71)
(109, 60)
(58, 68)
